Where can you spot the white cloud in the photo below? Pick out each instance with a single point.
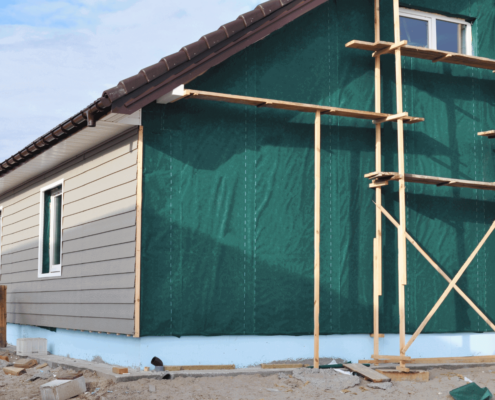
(59, 56)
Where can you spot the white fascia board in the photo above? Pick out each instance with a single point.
(133, 119)
(170, 97)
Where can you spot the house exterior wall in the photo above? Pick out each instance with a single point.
(229, 189)
(96, 289)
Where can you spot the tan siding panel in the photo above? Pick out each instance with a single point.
(103, 225)
(108, 210)
(102, 240)
(124, 326)
(20, 246)
(28, 212)
(21, 225)
(101, 254)
(120, 311)
(100, 199)
(107, 296)
(119, 178)
(20, 256)
(119, 281)
(28, 265)
(23, 204)
(110, 168)
(92, 159)
(21, 236)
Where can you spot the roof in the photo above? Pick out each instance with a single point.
(152, 82)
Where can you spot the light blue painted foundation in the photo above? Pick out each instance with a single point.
(243, 351)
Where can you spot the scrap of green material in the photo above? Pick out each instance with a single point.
(228, 198)
(471, 391)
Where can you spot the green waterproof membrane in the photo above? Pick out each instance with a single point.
(228, 212)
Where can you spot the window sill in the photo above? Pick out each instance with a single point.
(50, 274)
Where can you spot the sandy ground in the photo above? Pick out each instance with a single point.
(252, 387)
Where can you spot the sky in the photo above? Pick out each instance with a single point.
(57, 57)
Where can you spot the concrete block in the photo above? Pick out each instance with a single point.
(62, 389)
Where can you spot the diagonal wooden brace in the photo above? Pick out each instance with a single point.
(390, 49)
(449, 289)
(391, 118)
(437, 268)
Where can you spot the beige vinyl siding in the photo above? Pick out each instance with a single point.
(96, 289)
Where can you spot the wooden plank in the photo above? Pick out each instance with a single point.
(198, 367)
(395, 358)
(449, 288)
(41, 366)
(113, 223)
(392, 118)
(139, 211)
(14, 371)
(377, 242)
(281, 366)
(432, 180)
(402, 259)
(438, 360)
(111, 238)
(287, 105)
(4, 356)
(120, 370)
(437, 268)
(316, 358)
(25, 363)
(488, 134)
(108, 210)
(3, 316)
(367, 373)
(397, 376)
(427, 54)
(390, 49)
(380, 336)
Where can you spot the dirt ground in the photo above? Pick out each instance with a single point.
(250, 387)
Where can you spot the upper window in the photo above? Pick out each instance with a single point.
(434, 31)
(50, 243)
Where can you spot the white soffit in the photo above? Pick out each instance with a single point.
(69, 148)
(174, 95)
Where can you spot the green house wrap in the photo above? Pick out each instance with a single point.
(228, 192)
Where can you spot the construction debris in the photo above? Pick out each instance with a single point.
(42, 366)
(14, 371)
(380, 385)
(120, 370)
(63, 389)
(66, 375)
(25, 363)
(326, 378)
(413, 375)
(368, 373)
(471, 392)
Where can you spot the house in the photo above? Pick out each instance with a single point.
(177, 211)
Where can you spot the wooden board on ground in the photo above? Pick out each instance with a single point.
(197, 367)
(42, 366)
(14, 371)
(397, 376)
(368, 373)
(277, 366)
(120, 370)
(27, 363)
(439, 360)
(69, 376)
(4, 356)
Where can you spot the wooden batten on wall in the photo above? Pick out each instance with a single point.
(139, 207)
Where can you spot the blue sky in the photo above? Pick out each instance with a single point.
(58, 56)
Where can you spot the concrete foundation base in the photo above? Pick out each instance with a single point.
(243, 351)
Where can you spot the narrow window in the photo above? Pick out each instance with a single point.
(435, 31)
(49, 263)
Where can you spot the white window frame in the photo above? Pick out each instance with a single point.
(432, 26)
(55, 270)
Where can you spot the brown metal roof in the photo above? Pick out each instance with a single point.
(179, 68)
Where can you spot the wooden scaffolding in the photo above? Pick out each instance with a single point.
(379, 179)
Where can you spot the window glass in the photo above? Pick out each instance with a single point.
(415, 31)
(52, 228)
(448, 36)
